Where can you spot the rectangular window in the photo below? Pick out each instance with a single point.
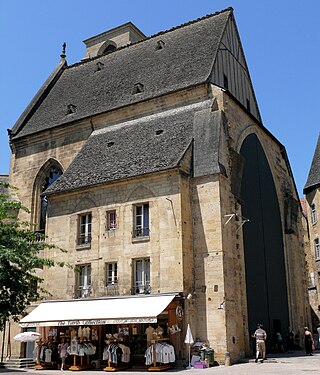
(313, 213)
(84, 281)
(312, 280)
(85, 229)
(111, 220)
(142, 276)
(141, 220)
(317, 248)
(112, 273)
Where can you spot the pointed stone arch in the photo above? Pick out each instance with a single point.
(140, 192)
(85, 202)
(50, 171)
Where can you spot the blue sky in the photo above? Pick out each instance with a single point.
(281, 41)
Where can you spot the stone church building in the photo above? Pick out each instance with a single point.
(148, 161)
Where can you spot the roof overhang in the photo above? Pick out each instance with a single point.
(121, 310)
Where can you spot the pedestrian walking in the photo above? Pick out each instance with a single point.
(308, 341)
(279, 342)
(290, 340)
(62, 348)
(260, 335)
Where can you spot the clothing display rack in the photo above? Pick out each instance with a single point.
(112, 366)
(84, 365)
(39, 365)
(156, 365)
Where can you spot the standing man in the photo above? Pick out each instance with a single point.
(308, 341)
(260, 335)
(318, 330)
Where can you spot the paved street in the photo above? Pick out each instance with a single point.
(284, 364)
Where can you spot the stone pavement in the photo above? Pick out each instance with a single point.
(285, 364)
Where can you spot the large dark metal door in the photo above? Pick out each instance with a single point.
(263, 242)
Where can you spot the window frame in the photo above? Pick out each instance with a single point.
(141, 220)
(112, 224)
(85, 236)
(312, 280)
(84, 281)
(317, 248)
(142, 284)
(48, 174)
(113, 277)
(313, 211)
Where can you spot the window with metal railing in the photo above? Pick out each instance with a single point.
(141, 220)
(111, 273)
(111, 220)
(84, 281)
(141, 284)
(84, 238)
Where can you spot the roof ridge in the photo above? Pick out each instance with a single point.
(192, 21)
(153, 36)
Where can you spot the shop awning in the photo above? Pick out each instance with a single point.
(120, 310)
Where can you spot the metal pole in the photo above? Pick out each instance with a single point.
(9, 341)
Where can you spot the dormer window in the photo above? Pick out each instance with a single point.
(71, 108)
(138, 87)
(99, 66)
(160, 44)
(110, 48)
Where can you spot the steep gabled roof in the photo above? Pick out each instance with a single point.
(39, 97)
(131, 74)
(313, 180)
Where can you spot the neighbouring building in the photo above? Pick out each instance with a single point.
(4, 178)
(149, 163)
(312, 194)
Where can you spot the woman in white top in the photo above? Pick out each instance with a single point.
(62, 348)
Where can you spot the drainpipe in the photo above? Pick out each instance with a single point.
(9, 342)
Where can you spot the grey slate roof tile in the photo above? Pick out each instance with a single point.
(186, 59)
(129, 150)
(313, 180)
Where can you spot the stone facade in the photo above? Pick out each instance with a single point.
(196, 244)
(312, 209)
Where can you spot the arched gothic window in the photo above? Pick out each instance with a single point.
(50, 172)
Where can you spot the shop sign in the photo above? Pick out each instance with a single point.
(89, 322)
